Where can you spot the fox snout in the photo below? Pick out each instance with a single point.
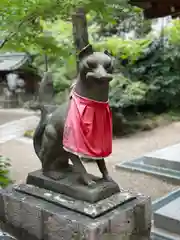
(100, 74)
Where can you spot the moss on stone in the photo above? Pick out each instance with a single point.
(29, 133)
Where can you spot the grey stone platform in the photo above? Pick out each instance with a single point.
(167, 216)
(45, 220)
(71, 186)
(164, 163)
(93, 210)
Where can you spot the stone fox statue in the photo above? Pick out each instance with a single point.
(80, 128)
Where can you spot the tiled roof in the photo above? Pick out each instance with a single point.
(12, 61)
(158, 8)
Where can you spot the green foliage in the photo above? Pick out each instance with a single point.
(63, 66)
(173, 32)
(123, 49)
(124, 18)
(29, 133)
(21, 21)
(4, 172)
(161, 72)
(125, 93)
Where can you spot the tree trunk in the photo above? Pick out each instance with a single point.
(80, 31)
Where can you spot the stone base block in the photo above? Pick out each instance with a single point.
(71, 186)
(30, 216)
(92, 210)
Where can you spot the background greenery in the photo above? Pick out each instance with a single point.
(146, 86)
(4, 172)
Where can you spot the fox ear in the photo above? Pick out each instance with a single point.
(108, 53)
(86, 51)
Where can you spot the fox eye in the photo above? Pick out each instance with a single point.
(108, 65)
(91, 64)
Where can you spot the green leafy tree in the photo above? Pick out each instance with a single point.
(45, 26)
(124, 18)
(153, 66)
(22, 21)
(4, 172)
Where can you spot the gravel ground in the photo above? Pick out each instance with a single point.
(12, 114)
(24, 160)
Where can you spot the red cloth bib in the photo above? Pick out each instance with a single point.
(88, 128)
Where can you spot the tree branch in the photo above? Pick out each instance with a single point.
(12, 34)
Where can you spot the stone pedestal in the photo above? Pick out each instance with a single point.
(71, 186)
(35, 217)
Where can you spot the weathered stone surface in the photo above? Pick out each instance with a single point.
(2, 213)
(168, 217)
(92, 210)
(31, 219)
(142, 215)
(60, 223)
(72, 187)
(12, 208)
(6, 236)
(16, 233)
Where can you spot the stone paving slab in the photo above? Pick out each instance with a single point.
(17, 128)
(167, 215)
(162, 163)
(12, 114)
(170, 153)
(159, 236)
